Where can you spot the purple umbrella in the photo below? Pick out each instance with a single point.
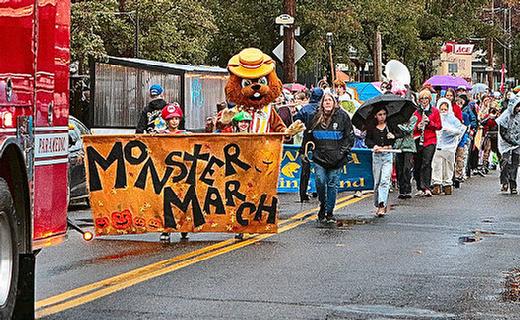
(446, 82)
(294, 87)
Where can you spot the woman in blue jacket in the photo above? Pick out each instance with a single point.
(332, 134)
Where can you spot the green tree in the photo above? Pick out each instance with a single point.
(177, 32)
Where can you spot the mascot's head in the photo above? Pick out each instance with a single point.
(252, 81)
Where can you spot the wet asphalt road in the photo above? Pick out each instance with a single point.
(411, 264)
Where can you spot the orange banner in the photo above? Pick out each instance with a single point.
(183, 183)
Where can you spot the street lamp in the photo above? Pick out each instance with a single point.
(135, 21)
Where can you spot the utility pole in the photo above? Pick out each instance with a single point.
(510, 41)
(289, 7)
(491, 68)
(378, 56)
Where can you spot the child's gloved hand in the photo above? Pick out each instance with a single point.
(228, 114)
(294, 128)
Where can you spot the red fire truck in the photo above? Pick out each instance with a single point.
(34, 110)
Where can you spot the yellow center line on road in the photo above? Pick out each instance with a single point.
(160, 264)
(82, 295)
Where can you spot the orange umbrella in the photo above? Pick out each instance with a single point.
(342, 76)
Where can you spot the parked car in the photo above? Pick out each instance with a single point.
(78, 190)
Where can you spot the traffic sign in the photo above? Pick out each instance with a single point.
(299, 51)
(284, 19)
(296, 30)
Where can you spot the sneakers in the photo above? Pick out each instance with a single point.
(321, 222)
(330, 219)
(305, 198)
(448, 190)
(504, 188)
(184, 236)
(456, 183)
(479, 172)
(420, 193)
(427, 193)
(165, 237)
(513, 190)
(358, 194)
(436, 189)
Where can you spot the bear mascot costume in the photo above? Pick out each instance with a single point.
(252, 86)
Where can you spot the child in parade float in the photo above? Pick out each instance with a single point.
(241, 124)
(150, 120)
(172, 115)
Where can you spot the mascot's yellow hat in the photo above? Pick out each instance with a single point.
(251, 63)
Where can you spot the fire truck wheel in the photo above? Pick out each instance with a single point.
(8, 252)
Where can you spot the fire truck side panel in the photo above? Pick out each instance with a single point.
(16, 100)
(48, 223)
(16, 55)
(51, 122)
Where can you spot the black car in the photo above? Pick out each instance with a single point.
(78, 190)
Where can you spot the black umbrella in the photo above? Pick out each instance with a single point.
(399, 110)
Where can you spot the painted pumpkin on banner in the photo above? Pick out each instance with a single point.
(122, 220)
(102, 223)
(154, 224)
(139, 222)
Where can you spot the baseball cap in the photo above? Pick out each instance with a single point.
(171, 110)
(156, 90)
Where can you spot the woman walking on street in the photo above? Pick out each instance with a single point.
(381, 138)
(331, 132)
(509, 145)
(425, 135)
(404, 160)
(447, 140)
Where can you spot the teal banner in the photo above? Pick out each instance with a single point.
(356, 175)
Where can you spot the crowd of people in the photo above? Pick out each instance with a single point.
(453, 134)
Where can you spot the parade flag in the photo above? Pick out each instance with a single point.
(183, 183)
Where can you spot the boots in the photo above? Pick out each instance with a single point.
(436, 190)
(448, 190)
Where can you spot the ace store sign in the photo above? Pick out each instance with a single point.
(184, 183)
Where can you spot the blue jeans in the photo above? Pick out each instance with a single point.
(327, 181)
(382, 170)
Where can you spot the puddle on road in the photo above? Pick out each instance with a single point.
(390, 311)
(347, 223)
(478, 235)
(469, 239)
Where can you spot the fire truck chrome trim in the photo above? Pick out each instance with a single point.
(49, 162)
(40, 129)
